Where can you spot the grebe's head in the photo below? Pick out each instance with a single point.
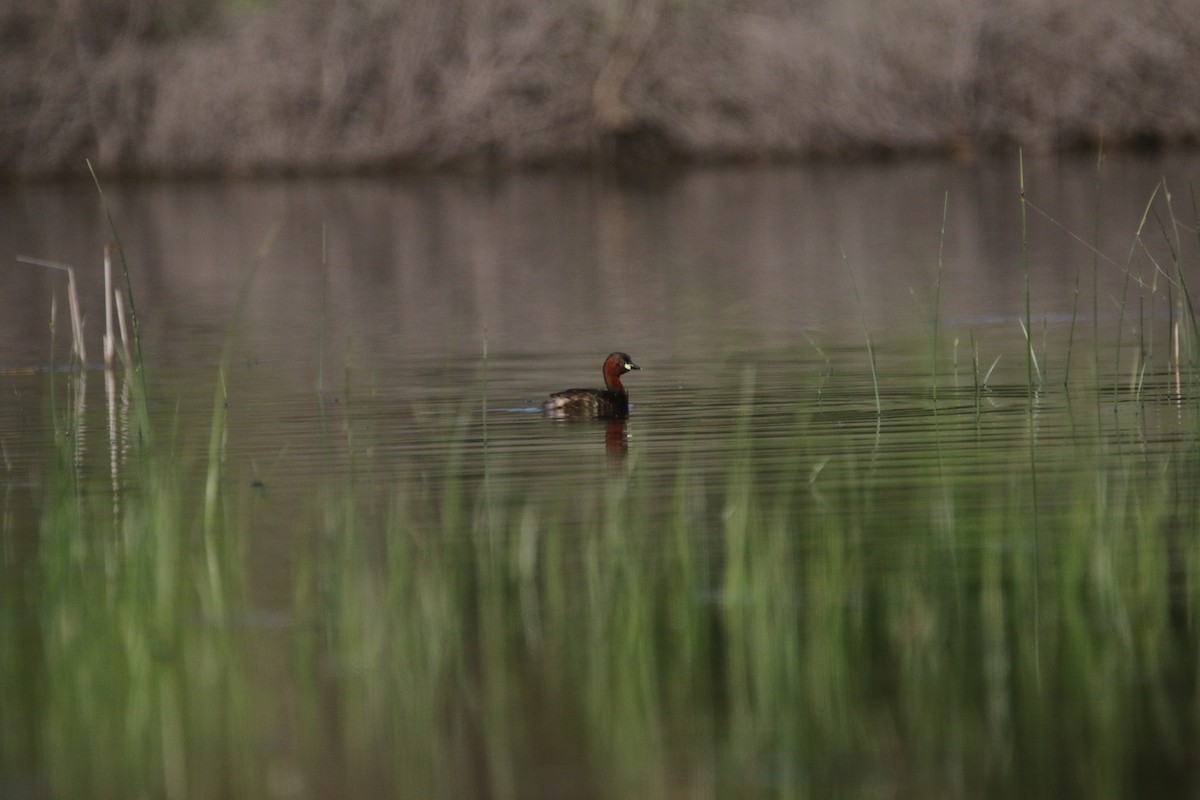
(616, 365)
(620, 362)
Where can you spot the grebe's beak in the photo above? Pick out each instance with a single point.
(630, 365)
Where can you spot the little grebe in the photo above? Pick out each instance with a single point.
(607, 403)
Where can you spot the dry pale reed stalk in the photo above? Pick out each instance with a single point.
(72, 299)
(109, 339)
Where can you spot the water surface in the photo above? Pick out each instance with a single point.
(851, 540)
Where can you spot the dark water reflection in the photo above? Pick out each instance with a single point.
(547, 264)
(828, 553)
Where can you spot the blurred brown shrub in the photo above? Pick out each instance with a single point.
(188, 86)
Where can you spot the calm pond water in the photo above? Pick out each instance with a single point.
(851, 540)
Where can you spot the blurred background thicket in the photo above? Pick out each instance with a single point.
(228, 86)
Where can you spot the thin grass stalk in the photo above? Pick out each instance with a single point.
(1133, 248)
(76, 318)
(1146, 334)
(138, 362)
(866, 332)
(825, 372)
(1046, 354)
(1030, 357)
(1175, 359)
(323, 331)
(1071, 330)
(975, 374)
(1175, 244)
(219, 435)
(987, 376)
(1037, 370)
(483, 405)
(1143, 357)
(947, 498)
(1191, 308)
(53, 339)
(217, 440)
(488, 500)
(937, 302)
(1096, 285)
(79, 381)
(110, 396)
(1194, 333)
(1029, 367)
(110, 385)
(126, 357)
(328, 445)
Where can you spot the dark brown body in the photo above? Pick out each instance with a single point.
(611, 402)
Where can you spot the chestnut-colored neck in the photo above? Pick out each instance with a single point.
(612, 376)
